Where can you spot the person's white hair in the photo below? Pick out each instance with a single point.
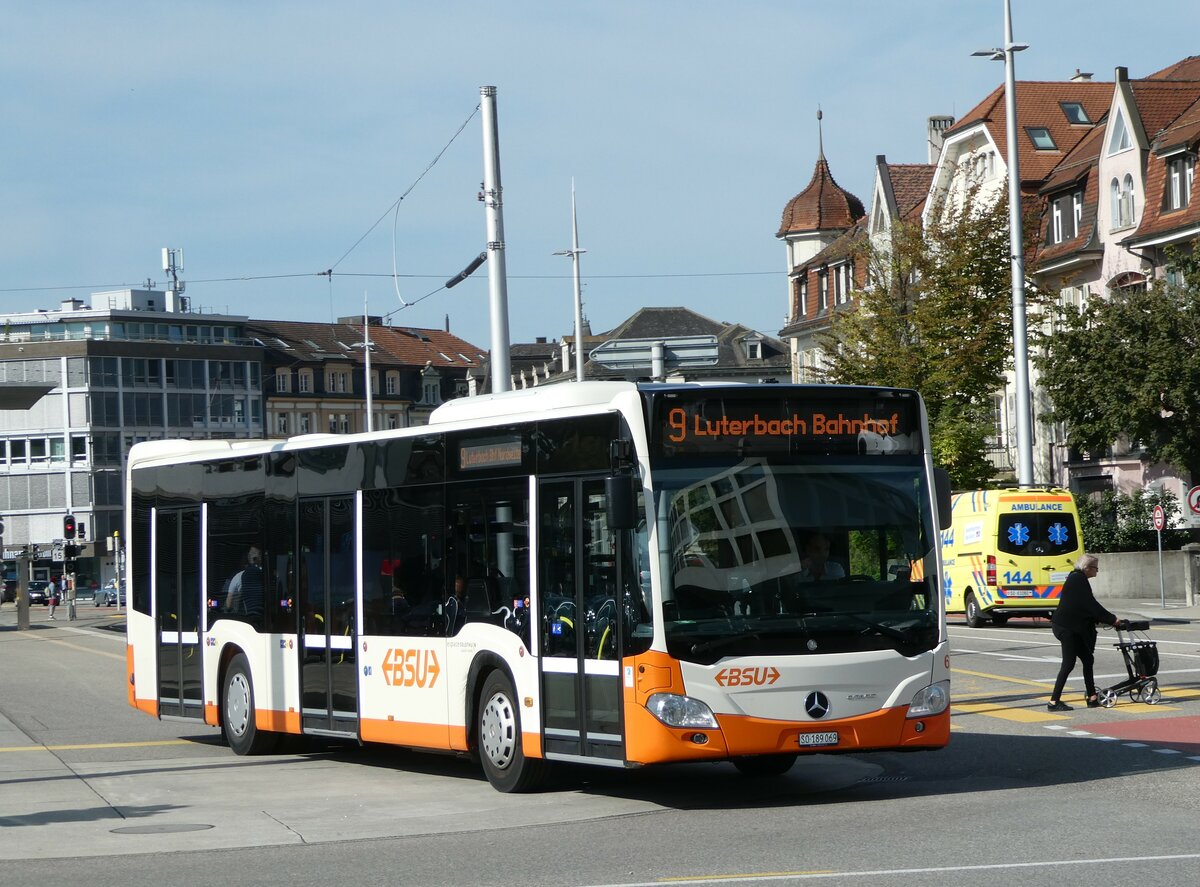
(1086, 560)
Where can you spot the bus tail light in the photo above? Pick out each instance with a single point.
(991, 569)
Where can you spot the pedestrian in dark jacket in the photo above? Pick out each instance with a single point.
(1074, 624)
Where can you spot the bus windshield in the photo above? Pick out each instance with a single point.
(819, 555)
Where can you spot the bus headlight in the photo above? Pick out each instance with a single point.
(931, 700)
(681, 711)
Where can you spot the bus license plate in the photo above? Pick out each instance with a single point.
(818, 739)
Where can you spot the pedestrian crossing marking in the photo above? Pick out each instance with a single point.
(1006, 713)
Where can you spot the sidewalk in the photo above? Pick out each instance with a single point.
(1152, 609)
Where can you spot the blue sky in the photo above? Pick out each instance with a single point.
(266, 138)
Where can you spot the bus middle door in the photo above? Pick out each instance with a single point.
(328, 674)
(579, 604)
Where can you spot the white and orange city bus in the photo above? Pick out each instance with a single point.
(602, 572)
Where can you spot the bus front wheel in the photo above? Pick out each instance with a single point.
(974, 613)
(499, 724)
(237, 712)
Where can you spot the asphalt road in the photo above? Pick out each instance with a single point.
(93, 792)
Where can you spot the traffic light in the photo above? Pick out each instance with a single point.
(69, 526)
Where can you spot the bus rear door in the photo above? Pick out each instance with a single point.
(178, 604)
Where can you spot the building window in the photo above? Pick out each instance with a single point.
(1118, 139)
(997, 440)
(1122, 202)
(392, 383)
(1075, 112)
(753, 348)
(393, 421)
(1180, 171)
(1077, 211)
(283, 380)
(1041, 138)
(344, 423)
(802, 298)
(281, 423)
(823, 289)
(304, 423)
(1056, 222)
(304, 382)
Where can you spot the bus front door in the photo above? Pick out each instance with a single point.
(579, 644)
(328, 676)
(177, 610)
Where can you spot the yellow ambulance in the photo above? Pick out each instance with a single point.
(1008, 552)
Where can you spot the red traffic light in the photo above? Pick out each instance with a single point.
(69, 527)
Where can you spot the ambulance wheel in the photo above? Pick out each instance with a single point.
(974, 613)
(764, 765)
(1151, 695)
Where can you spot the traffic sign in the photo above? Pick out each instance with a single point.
(676, 352)
(1160, 519)
(1193, 499)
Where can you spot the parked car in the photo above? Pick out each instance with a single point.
(38, 592)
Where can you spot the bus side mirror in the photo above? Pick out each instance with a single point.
(619, 502)
(941, 484)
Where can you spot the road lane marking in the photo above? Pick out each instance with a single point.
(91, 745)
(38, 636)
(765, 877)
(998, 677)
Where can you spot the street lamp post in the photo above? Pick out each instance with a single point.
(574, 252)
(1017, 252)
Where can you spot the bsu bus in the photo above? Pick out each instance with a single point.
(612, 573)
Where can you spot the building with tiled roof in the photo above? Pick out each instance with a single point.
(314, 374)
(1112, 207)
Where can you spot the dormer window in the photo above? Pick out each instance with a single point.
(1075, 112)
(753, 347)
(1181, 171)
(1041, 138)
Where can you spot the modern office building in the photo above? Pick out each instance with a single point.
(80, 384)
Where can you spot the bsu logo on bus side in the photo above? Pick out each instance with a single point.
(747, 677)
(410, 668)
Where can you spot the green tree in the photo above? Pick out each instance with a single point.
(1130, 365)
(1124, 521)
(936, 317)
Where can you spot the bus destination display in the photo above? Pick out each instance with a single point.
(707, 426)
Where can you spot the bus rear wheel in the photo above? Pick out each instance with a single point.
(238, 712)
(498, 722)
(764, 765)
(974, 613)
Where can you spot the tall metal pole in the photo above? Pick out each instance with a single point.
(575, 251)
(1017, 248)
(493, 202)
(367, 355)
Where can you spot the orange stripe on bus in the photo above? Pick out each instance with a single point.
(277, 721)
(889, 728)
(411, 733)
(130, 689)
(649, 741)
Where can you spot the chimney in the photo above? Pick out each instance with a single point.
(1082, 76)
(1121, 75)
(937, 135)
